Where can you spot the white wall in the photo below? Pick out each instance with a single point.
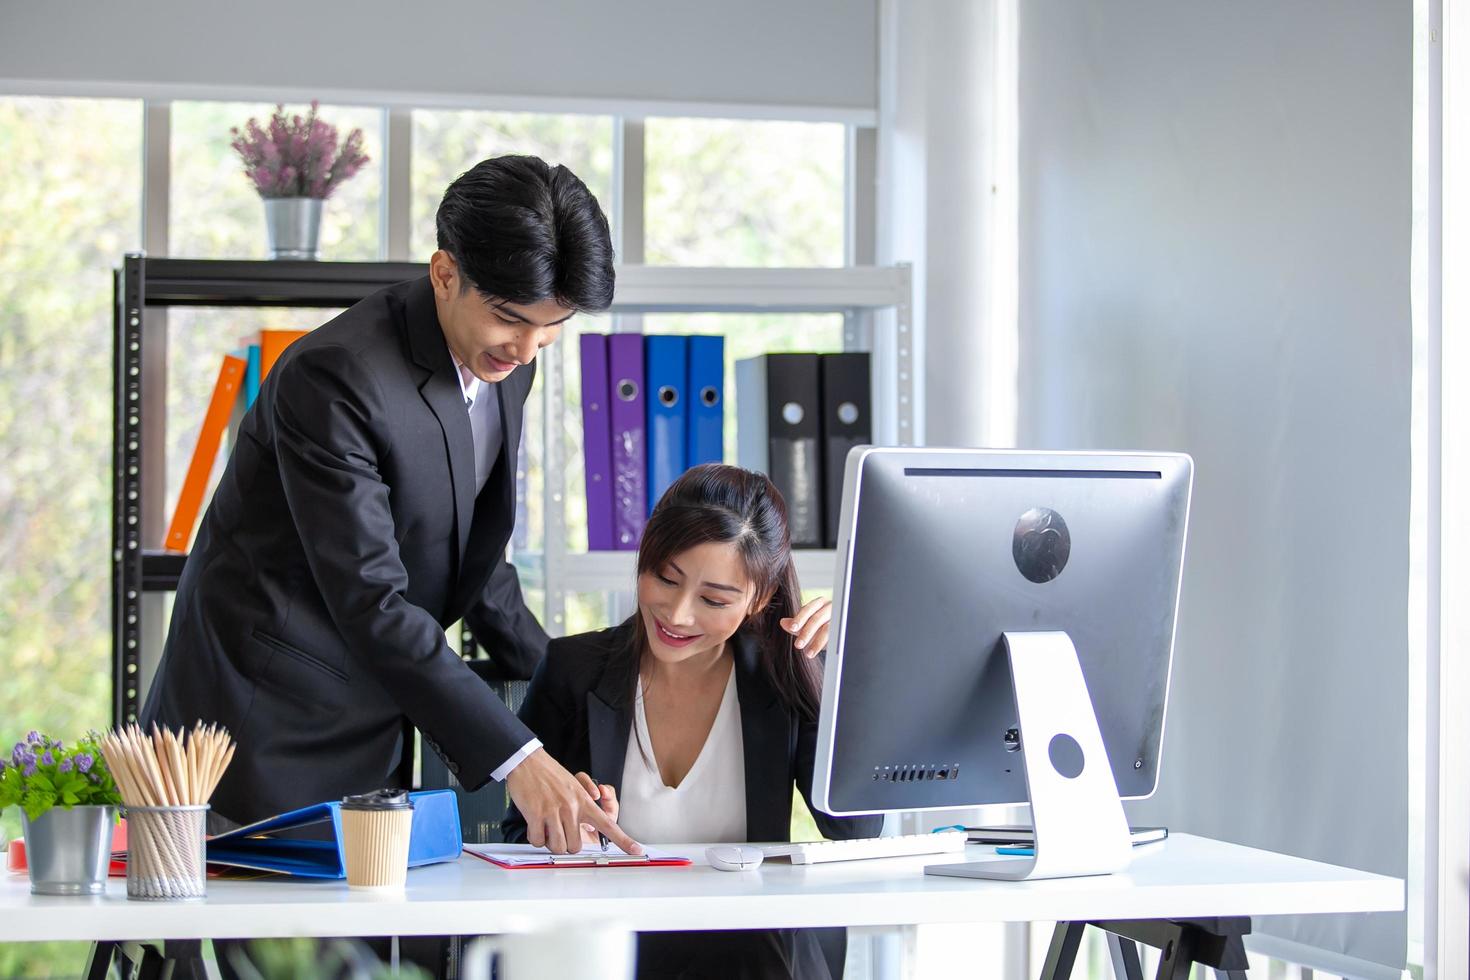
(779, 53)
(1215, 220)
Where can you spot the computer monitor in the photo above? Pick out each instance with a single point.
(953, 565)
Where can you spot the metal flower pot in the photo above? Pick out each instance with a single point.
(293, 226)
(68, 851)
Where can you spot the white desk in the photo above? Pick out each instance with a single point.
(1185, 877)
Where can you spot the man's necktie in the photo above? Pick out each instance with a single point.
(477, 422)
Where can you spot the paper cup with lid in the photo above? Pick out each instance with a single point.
(375, 833)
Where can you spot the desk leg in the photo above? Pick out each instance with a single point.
(1216, 943)
(146, 960)
(174, 959)
(1176, 962)
(99, 960)
(1061, 956)
(1124, 954)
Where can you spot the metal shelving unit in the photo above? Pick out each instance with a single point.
(874, 303)
(142, 286)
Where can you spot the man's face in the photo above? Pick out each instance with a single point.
(489, 335)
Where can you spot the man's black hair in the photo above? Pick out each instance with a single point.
(525, 231)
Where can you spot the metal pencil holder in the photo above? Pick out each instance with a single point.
(166, 852)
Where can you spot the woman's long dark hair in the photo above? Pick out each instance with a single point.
(718, 503)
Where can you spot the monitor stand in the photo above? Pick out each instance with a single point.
(1079, 823)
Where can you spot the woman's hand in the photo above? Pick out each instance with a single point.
(607, 800)
(809, 626)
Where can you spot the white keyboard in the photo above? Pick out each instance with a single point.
(822, 851)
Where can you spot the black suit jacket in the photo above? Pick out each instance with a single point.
(577, 709)
(344, 537)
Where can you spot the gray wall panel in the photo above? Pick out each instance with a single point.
(1215, 221)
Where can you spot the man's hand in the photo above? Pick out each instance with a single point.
(556, 805)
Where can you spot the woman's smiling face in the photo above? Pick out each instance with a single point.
(695, 602)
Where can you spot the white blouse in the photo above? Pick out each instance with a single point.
(708, 806)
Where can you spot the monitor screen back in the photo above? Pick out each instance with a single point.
(942, 552)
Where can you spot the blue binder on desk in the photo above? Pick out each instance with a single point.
(666, 372)
(434, 838)
(706, 400)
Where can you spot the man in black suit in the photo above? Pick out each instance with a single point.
(367, 505)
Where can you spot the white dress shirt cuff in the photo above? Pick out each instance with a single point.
(515, 760)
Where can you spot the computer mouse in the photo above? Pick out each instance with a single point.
(732, 857)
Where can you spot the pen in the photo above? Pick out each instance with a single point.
(601, 837)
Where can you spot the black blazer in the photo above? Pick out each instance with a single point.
(344, 537)
(577, 710)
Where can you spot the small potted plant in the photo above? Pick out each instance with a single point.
(68, 803)
(295, 163)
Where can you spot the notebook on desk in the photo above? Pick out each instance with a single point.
(518, 856)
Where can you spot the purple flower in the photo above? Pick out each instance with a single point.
(66, 765)
(30, 769)
(297, 156)
(34, 737)
(22, 754)
(84, 762)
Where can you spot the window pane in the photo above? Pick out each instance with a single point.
(587, 611)
(69, 208)
(446, 143)
(728, 192)
(214, 211)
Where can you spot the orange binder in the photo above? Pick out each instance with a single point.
(272, 343)
(181, 528)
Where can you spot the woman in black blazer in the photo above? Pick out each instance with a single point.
(717, 597)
